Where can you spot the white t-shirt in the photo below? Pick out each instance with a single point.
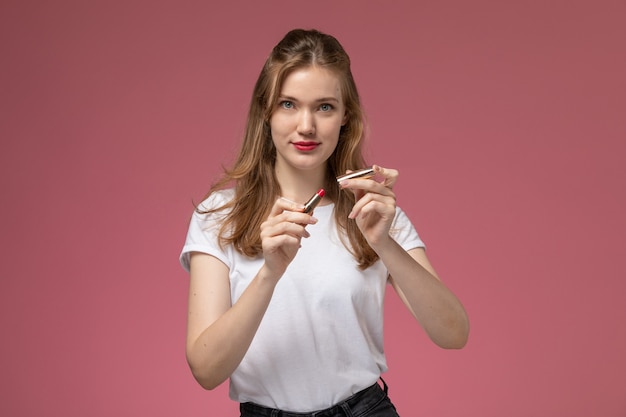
(321, 339)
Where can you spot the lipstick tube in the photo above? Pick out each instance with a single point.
(362, 173)
(313, 201)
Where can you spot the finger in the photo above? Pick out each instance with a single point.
(366, 186)
(284, 228)
(290, 229)
(390, 176)
(285, 210)
(384, 205)
(285, 243)
(282, 204)
(382, 210)
(345, 184)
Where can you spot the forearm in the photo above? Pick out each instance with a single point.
(219, 349)
(434, 306)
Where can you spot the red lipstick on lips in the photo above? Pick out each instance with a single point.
(313, 201)
(305, 146)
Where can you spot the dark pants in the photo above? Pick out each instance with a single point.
(371, 402)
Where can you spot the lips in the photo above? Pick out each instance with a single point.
(305, 146)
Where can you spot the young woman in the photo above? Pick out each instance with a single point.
(287, 303)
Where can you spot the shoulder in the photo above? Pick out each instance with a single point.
(403, 231)
(212, 211)
(401, 219)
(216, 200)
(205, 226)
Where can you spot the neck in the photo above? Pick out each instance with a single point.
(299, 186)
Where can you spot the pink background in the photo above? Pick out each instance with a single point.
(506, 120)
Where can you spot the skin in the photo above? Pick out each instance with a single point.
(310, 111)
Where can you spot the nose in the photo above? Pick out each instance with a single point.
(306, 123)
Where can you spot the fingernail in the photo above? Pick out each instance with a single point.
(343, 184)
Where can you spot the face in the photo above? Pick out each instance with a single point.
(307, 119)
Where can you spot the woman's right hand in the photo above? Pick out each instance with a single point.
(281, 234)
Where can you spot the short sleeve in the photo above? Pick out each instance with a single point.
(403, 232)
(202, 235)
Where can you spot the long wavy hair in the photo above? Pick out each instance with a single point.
(255, 184)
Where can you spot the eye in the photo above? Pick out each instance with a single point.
(286, 104)
(326, 107)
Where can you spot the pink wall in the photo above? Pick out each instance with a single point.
(505, 118)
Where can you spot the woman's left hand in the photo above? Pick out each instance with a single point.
(375, 206)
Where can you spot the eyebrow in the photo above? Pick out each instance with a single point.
(319, 100)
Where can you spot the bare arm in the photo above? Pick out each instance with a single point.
(434, 306)
(218, 334)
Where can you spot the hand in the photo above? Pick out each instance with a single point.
(375, 206)
(281, 234)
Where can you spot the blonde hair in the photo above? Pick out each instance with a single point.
(252, 173)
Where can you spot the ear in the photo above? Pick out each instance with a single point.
(345, 118)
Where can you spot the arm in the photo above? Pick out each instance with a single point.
(218, 334)
(434, 306)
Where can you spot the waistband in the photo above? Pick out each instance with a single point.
(361, 400)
